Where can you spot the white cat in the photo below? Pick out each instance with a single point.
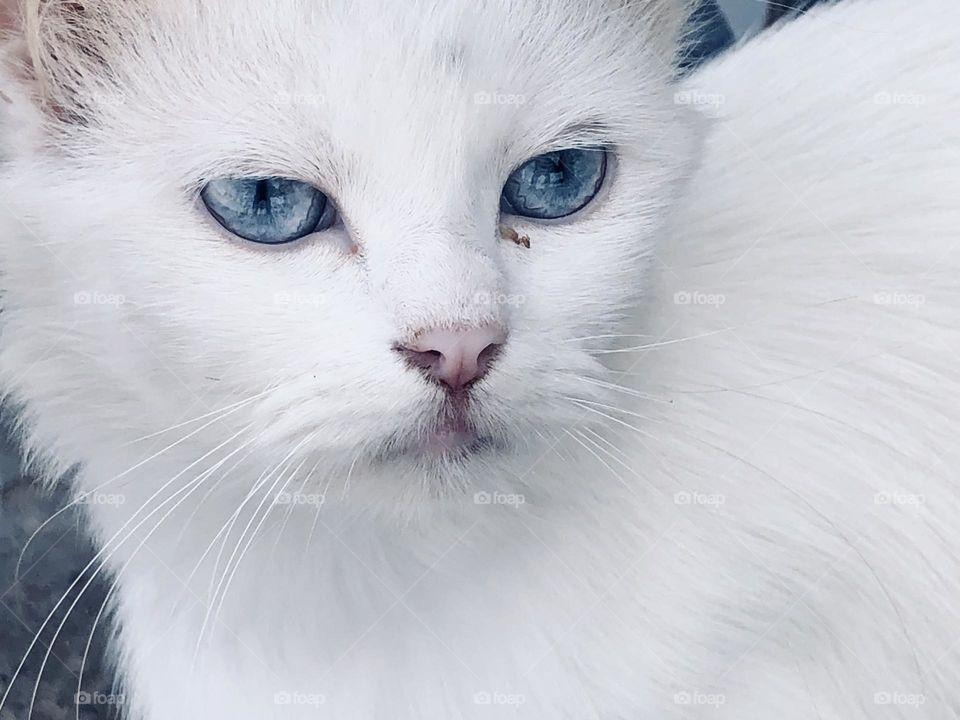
(672, 435)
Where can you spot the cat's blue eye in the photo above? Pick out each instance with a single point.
(555, 184)
(270, 210)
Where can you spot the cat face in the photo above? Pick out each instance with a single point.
(418, 323)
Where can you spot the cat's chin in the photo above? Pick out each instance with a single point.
(443, 447)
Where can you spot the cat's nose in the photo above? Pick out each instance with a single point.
(454, 357)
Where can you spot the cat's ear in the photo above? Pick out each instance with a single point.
(61, 48)
(8, 11)
(15, 51)
(14, 55)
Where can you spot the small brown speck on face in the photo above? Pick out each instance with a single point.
(508, 233)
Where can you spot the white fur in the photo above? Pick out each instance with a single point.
(760, 522)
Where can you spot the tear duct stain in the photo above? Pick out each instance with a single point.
(508, 233)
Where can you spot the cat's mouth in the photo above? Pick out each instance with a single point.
(452, 436)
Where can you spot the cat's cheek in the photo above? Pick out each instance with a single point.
(600, 252)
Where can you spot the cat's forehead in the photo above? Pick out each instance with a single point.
(423, 67)
(404, 92)
(496, 45)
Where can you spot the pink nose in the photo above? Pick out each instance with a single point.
(454, 358)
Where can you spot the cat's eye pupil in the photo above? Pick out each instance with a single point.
(554, 176)
(555, 184)
(268, 210)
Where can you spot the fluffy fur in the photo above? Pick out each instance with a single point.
(721, 482)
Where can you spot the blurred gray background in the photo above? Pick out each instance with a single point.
(744, 16)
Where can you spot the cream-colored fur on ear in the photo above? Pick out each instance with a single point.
(7, 13)
(70, 41)
(56, 41)
(68, 46)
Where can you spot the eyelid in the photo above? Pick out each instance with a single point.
(233, 167)
(581, 135)
(545, 150)
(203, 179)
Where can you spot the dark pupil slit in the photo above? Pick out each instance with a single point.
(555, 174)
(261, 194)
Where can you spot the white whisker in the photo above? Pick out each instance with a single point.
(216, 599)
(187, 488)
(80, 498)
(100, 553)
(660, 344)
